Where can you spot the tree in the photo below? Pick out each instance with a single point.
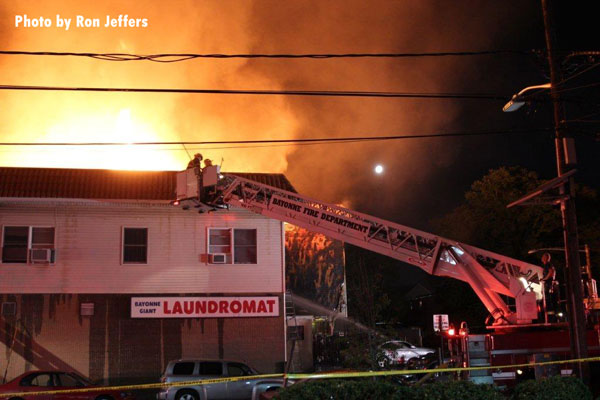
(484, 221)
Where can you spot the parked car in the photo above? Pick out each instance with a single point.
(194, 370)
(37, 381)
(399, 352)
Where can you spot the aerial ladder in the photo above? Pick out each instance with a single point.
(495, 278)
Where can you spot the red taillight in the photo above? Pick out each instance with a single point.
(451, 332)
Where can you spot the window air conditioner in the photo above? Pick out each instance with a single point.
(41, 255)
(217, 258)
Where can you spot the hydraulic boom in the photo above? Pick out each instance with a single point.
(491, 275)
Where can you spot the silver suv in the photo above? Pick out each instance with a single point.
(193, 370)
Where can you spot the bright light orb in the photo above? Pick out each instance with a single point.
(379, 169)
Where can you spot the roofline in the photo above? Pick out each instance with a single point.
(130, 186)
(95, 169)
(81, 200)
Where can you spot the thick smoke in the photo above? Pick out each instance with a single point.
(416, 171)
(335, 173)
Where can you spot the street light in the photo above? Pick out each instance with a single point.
(577, 321)
(517, 100)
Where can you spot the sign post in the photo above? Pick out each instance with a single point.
(441, 323)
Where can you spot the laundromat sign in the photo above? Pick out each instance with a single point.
(204, 307)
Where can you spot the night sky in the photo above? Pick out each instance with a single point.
(423, 178)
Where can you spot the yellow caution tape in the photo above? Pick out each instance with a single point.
(427, 371)
(324, 375)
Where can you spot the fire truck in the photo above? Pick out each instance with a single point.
(510, 289)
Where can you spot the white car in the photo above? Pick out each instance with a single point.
(398, 352)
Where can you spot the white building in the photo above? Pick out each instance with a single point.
(101, 275)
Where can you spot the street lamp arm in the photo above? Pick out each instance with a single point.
(517, 102)
(528, 88)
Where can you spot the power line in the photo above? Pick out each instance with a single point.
(200, 147)
(177, 57)
(568, 89)
(309, 93)
(590, 53)
(334, 93)
(579, 73)
(288, 141)
(583, 117)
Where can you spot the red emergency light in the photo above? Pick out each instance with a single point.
(451, 332)
(464, 329)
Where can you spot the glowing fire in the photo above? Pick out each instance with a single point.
(89, 120)
(84, 117)
(120, 127)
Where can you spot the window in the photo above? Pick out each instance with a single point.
(19, 240)
(42, 238)
(9, 308)
(219, 241)
(135, 245)
(238, 369)
(244, 246)
(183, 368)
(391, 346)
(211, 368)
(42, 379)
(238, 245)
(67, 380)
(16, 239)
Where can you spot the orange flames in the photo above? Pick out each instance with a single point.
(122, 117)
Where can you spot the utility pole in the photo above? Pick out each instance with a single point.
(577, 322)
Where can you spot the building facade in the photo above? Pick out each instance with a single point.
(100, 274)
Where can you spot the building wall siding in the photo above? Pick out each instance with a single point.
(88, 242)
